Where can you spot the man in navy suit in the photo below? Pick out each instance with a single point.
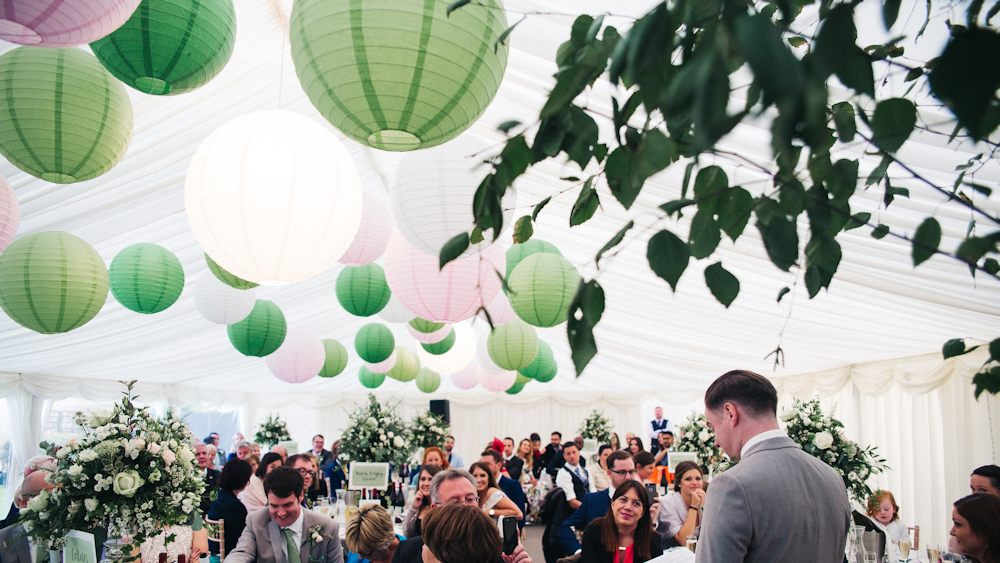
(510, 487)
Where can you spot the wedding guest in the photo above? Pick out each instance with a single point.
(599, 479)
(512, 463)
(458, 534)
(282, 451)
(305, 467)
(579, 442)
(986, 479)
(238, 440)
(215, 457)
(626, 533)
(680, 514)
(454, 460)
(492, 461)
(628, 439)
(208, 475)
(615, 444)
(421, 502)
(187, 542)
(432, 456)
(255, 450)
(242, 450)
(253, 496)
(976, 529)
(323, 457)
(220, 456)
(236, 474)
(317, 489)
(492, 500)
(552, 451)
(665, 444)
(253, 460)
(527, 456)
(370, 537)
(536, 451)
(635, 445)
(883, 509)
(571, 477)
(621, 468)
(645, 464)
(335, 474)
(655, 426)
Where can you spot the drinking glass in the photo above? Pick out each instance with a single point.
(692, 543)
(933, 553)
(904, 549)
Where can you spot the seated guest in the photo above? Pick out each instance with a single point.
(635, 446)
(680, 514)
(599, 479)
(304, 465)
(253, 496)
(282, 451)
(615, 442)
(976, 527)
(492, 500)
(460, 534)
(255, 450)
(208, 475)
(335, 474)
(238, 440)
(492, 461)
(571, 477)
(241, 451)
(235, 476)
(433, 456)
(536, 449)
(644, 465)
(254, 461)
(553, 451)
(626, 533)
(216, 459)
(883, 509)
(421, 502)
(527, 456)
(512, 463)
(317, 490)
(665, 444)
(621, 468)
(369, 536)
(986, 479)
(277, 535)
(187, 542)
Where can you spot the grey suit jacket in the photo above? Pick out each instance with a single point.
(779, 504)
(262, 540)
(12, 548)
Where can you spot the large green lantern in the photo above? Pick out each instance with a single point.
(428, 381)
(262, 332)
(146, 278)
(52, 282)
(227, 278)
(516, 388)
(438, 348)
(520, 251)
(543, 368)
(425, 326)
(170, 46)
(63, 117)
(336, 358)
(396, 75)
(513, 345)
(362, 290)
(542, 287)
(407, 366)
(374, 343)
(369, 378)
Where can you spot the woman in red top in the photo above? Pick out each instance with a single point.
(626, 534)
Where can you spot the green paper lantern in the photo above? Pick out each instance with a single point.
(515, 388)
(52, 282)
(520, 251)
(146, 278)
(428, 381)
(543, 368)
(336, 358)
(370, 379)
(513, 345)
(407, 365)
(441, 347)
(63, 117)
(425, 326)
(522, 379)
(362, 290)
(170, 46)
(542, 287)
(374, 343)
(262, 332)
(227, 278)
(398, 76)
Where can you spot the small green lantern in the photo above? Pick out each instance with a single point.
(425, 326)
(362, 290)
(336, 358)
(146, 278)
(542, 287)
(438, 348)
(520, 251)
(370, 379)
(513, 345)
(428, 381)
(227, 278)
(374, 343)
(407, 366)
(521, 379)
(515, 388)
(543, 368)
(261, 333)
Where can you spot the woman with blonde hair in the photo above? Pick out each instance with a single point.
(369, 536)
(527, 454)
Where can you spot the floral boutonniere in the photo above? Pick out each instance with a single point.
(316, 535)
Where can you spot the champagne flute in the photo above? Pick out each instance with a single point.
(933, 553)
(904, 549)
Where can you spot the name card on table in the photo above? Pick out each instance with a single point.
(368, 475)
(677, 457)
(80, 548)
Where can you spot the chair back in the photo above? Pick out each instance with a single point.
(217, 533)
(915, 535)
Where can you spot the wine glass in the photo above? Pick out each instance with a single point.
(933, 553)
(904, 549)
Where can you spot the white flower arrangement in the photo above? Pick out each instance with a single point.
(426, 430)
(272, 431)
(695, 436)
(117, 476)
(367, 436)
(596, 427)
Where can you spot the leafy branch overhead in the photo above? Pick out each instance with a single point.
(674, 77)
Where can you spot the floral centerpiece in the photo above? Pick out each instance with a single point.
(272, 431)
(596, 427)
(129, 472)
(695, 436)
(822, 436)
(428, 430)
(375, 433)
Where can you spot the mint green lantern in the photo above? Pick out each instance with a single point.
(428, 381)
(513, 345)
(515, 388)
(543, 368)
(146, 278)
(425, 326)
(362, 290)
(370, 379)
(407, 366)
(261, 333)
(227, 278)
(542, 287)
(374, 343)
(336, 358)
(52, 282)
(441, 347)
(520, 251)
(63, 117)
(170, 46)
(521, 379)
(399, 76)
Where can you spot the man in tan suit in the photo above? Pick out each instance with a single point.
(779, 504)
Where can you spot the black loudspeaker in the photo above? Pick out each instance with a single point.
(442, 409)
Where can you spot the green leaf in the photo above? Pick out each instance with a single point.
(453, 248)
(892, 191)
(506, 126)
(672, 207)
(687, 179)
(585, 206)
(734, 210)
(913, 74)
(585, 312)
(965, 85)
(880, 231)
(991, 266)
(890, 11)
(622, 175)
(784, 291)
(710, 182)
(523, 230)
(823, 256)
(503, 36)
(893, 122)
(615, 241)
(988, 381)
(926, 240)
(857, 220)
(879, 172)
(844, 121)
(723, 285)
(837, 52)
(594, 29)
(655, 153)
(704, 237)
(797, 41)
(477, 235)
(781, 240)
(668, 256)
(775, 68)
(579, 30)
(973, 249)
(995, 350)
(455, 5)
(843, 179)
(538, 208)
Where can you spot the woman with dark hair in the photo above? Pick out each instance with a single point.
(317, 488)
(599, 479)
(976, 527)
(235, 476)
(456, 533)
(615, 442)
(626, 534)
(421, 502)
(682, 513)
(253, 496)
(635, 446)
(492, 500)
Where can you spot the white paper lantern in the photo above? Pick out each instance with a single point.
(433, 191)
(220, 303)
(462, 352)
(373, 233)
(273, 197)
(383, 366)
(444, 296)
(500, 310)
(64, 23)
(430, 337)
(299, 358)
(10, 214)
(467, 378)
(496, 382)
(395, 312)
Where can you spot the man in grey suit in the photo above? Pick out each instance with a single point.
(779, 504)
(284, 532)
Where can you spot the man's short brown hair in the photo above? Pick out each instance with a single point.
(752, 392)
(456, 533)
(615, 456)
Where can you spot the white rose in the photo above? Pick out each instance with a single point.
(704, 436)
(390, 434)
(823, 440)
(39, 502)
(864, 472)
(852, 476)
(75, 470)
(397, 441)
(99, 417)
(168, 456)
(122, 418)
(175, 425)
(62, 453)
(90, 504)
(382, 438)
(176, 497)
(787, 414)
(154, 449)
(127, 483)
(371, 421)
(187, 456)
(87, 455)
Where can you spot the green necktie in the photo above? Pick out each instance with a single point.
(293, 550)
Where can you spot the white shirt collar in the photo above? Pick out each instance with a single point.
(611, 492)
(760, 438)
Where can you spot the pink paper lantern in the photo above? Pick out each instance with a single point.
(500, 310)
(299, 358)
(443, 296)
(467, 378)
(373, 233)
(65, 23)
(430, 337)
(10, 214)
(496, 382)
(383, 366)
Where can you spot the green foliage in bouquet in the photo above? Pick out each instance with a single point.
(822, 436)
(695, 436)
(272, 431)
(129, 472)
(375, 433)
(428, 430)
(596, 427)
